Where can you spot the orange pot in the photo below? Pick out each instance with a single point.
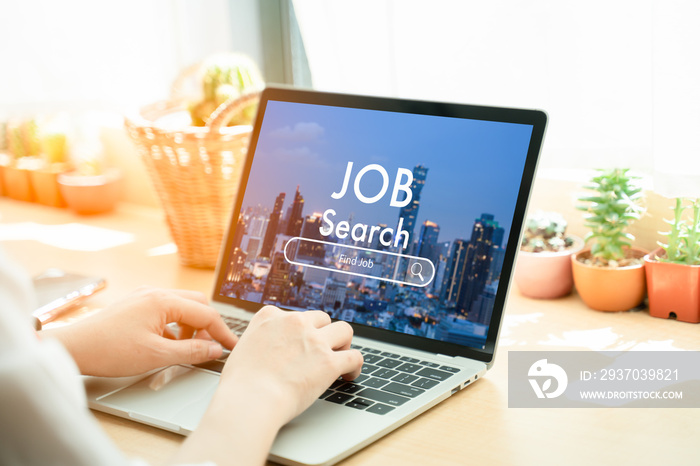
(17, 184)
(674, 289)
(91, 194)
(46, 188)
(545, 275)
(607, 288)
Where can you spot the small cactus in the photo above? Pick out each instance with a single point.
(683, 245)
(615, 204)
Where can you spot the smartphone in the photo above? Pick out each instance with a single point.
(58, 291)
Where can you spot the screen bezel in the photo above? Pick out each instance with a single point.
(535, 118)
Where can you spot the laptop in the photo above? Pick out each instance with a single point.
(400, 217)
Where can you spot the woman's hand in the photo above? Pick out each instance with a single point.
(282, 363)
(131, 336)
(290, 358)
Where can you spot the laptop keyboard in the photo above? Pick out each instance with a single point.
(388, 380)
(237, 326)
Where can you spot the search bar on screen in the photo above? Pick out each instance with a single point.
(360, 262)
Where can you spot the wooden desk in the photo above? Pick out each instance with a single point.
(473, 427)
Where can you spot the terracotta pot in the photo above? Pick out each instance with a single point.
(90, 194)
(610, 288)
(46, 187)
(674, 289)
(17, 183)
(546, 275)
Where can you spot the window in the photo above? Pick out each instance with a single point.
(78, 55)
(617, 78)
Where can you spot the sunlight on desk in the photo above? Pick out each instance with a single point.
(510, 324)
(71, 236)
(164, 250)
(605, 339)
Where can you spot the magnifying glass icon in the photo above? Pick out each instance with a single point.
(417, 270)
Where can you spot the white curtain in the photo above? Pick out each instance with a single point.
(77, 55)
(619, 79)
(676, 97)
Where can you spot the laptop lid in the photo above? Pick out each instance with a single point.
(401, 217)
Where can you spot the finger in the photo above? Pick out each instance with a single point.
(186, 331)
(350, 363)
(190, 332)
(338, 335)
(191, 294)
(318, 318)
(188, 294)
(199, 316)
(168, 333)
(202, 335)
(192, 351)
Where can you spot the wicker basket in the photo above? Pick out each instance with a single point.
(196, 172)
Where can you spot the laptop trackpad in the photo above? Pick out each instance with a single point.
(174, 398)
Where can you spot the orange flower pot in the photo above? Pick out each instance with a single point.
(545, 275)
(610, 288)
(46, 188)
(88, 195)
(674, 289)
(17, 183)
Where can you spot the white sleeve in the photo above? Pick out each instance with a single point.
(44, 419)
(43, 415)
(43, 411)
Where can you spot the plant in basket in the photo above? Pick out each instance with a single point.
(673, 270)
(543, 269)
(196, 169)
(609, 275)
(223, 78)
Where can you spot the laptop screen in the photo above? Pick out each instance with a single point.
(400, 217)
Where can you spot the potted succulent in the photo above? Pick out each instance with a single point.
(4, 155)
(673, 270)
(609, 276)
(91, 189)
(543, 269)
(54, 161)
(36, 154)
(92, 186)
(24, 150)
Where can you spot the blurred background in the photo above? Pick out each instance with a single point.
(618, 79)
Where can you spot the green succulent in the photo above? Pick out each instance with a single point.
(23, 138)
(683, 245)
(614, 206)
(226, 76)
(545, 231)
